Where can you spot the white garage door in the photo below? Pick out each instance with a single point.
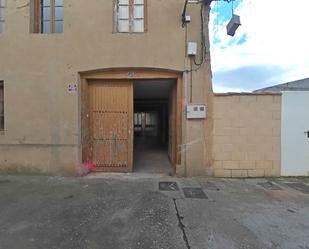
(295, 134)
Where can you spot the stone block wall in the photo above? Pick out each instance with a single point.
(246, 135)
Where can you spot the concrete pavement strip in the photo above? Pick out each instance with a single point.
(128, 211)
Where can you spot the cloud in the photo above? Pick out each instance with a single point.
(270, 47)
(247, 77)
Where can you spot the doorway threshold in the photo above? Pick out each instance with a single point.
(133, 175)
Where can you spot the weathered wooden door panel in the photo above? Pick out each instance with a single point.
(111, 124)
(110, 153)
(105, 125)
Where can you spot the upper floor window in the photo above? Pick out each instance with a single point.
(2, 8)
(48, 16)
(1, 106)
(130, 16)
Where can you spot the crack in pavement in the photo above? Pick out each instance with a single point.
(181, 225)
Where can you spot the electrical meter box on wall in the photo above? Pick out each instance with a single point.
(196, 111)
(192, 48)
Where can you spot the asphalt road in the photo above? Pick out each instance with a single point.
(130, 211)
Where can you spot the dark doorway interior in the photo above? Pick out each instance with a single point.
(151, 126)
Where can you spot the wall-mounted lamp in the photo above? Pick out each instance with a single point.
(233, 25)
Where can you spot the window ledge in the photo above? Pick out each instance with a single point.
(46, 33)
(131, 33)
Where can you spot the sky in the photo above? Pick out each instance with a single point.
(270, 47)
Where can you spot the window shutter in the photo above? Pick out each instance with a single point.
(123, 16)
(35, 15)
(138, 16)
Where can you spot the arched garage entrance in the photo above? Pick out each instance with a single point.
(122, 108)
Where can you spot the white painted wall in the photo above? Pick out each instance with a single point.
(294, 141)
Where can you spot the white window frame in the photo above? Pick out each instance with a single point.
(127, 21)
(51, 19)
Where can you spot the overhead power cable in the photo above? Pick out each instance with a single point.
(184, 14)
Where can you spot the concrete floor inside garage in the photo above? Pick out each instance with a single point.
(151, 126)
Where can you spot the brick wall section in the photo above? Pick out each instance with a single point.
(246, 135)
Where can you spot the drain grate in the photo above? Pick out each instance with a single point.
(168, 186)
(299, 186)
(196, 193)
(269, 186)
